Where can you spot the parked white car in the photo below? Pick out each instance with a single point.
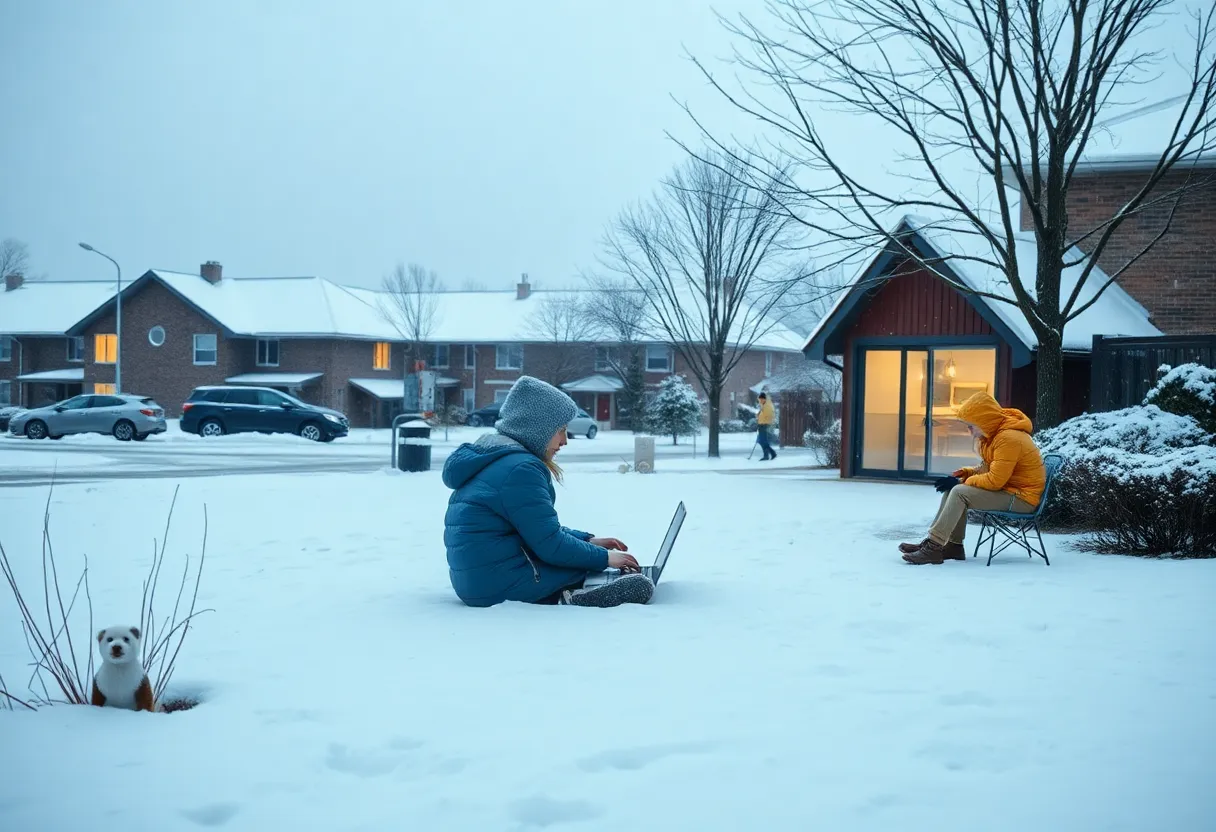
(582, 425)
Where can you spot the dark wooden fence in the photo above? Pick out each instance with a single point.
(801, 412)
(1123, 370)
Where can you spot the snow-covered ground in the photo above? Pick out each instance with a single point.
(792, 672)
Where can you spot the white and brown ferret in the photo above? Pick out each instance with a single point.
(121, 682)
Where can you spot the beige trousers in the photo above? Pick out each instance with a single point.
(950, 526)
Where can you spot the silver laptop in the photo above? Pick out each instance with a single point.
(652, 572)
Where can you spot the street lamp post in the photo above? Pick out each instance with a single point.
(117, 319)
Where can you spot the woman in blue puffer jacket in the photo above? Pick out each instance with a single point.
(503, 538)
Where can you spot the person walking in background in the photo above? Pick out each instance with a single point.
(764, 420)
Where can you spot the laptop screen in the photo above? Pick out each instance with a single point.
(670, 539)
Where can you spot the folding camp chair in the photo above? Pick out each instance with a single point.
(1016, 528)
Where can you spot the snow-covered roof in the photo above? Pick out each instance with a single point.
(70, 375)
(595, 384)
(801, 376)
(50, 307)
(274, 379)
(315, 307)
(1114, 313)
(381, 388)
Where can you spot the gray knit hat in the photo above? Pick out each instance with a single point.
(533, 412)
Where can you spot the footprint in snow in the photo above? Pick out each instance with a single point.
(400, 754)
(542, 812)
(214, 814)
(632, 759)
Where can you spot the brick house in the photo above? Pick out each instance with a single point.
(333, 345)
(39, 364)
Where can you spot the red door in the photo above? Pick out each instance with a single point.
(603, 407)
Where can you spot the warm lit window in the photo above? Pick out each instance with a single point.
(105, 349)
(380, 360)
(103, 389)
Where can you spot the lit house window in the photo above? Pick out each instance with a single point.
(105, 348)
(380, 358)
(103, 389)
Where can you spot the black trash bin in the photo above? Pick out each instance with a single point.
(414, 446)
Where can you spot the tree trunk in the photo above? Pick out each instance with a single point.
(715, 409)
(1049, 371)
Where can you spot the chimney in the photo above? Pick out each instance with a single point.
(212, 272)
(13, 281)
(522, 289)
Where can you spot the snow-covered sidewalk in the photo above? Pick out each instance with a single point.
(792, 672)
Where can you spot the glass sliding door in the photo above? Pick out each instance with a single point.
(915, 412)
(880, 410)
(958, 374)
(910, 396)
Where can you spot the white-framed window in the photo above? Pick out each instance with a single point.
(603, 360)
(76, 348)
(6, 348)
(156, 336)
(268, 352)
(6, 391)
(500, 395)
(468, 399)
(470, 356)
(658, 358)
(206, 348)
(441, 356)
(509, 357)
(768, 364)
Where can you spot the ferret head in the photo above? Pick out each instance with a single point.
(119, 645)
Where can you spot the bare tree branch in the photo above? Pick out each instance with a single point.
(1019, 91)
(14, 257)
(409, 301)
(561, 323)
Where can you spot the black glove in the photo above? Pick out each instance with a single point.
(944, 484)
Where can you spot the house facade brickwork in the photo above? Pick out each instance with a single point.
(1176, 280)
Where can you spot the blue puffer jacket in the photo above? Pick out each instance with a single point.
(501, 530)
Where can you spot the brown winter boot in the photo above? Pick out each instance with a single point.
(930, 552)
(952, 551)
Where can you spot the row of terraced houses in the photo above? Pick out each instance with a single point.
(323, 342)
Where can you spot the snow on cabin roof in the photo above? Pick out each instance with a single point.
(312, 306)
(1115, 313)
(50, 307)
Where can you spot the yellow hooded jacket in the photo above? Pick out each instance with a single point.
(1011, 460)
(766, 416)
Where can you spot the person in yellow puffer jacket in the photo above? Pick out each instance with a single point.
(1011, 477)
(764, 421)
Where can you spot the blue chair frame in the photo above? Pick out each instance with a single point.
(1017, 528)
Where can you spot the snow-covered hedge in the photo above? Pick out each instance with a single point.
(827, 444)
(1188, 390)
(1141, 480)
(733, 426)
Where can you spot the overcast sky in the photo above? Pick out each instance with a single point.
(293, 137)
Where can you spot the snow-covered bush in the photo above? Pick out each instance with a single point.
(1146, 504)
(733, 426)
(1141, 480)
(1188, 390)
(676, 411)
(827, 445)
(452, 414)
(1137, 430)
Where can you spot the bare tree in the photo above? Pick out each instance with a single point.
(1021, 88)
(706, 257)
(560, 322)
(616, 310)
(14, 257)
(409, 301)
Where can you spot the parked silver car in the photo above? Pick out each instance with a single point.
(123, 416)
(582, 425)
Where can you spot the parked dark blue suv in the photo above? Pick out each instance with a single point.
(217, 410)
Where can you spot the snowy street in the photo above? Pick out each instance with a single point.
(791, 673)
(87, 458)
